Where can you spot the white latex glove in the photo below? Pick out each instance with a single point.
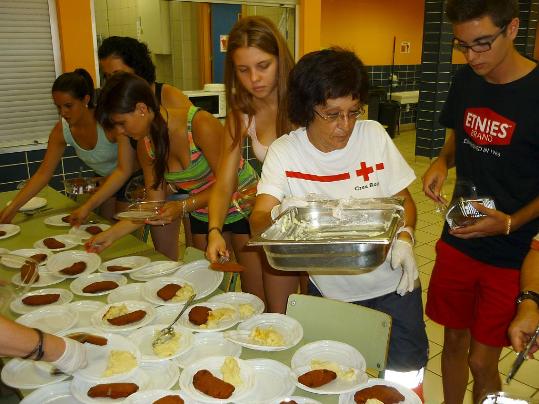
(73, 358)
(285, 204)
(402, 256)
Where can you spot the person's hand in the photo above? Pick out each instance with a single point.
(493, 224)
(167, 214)
(6, 215)
(434, 179)
(287, 203)
(100, 241)
(73, 358)
(402, 256)
(216, 247)
(78, 216)
(523, 327)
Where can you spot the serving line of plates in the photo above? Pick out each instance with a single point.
(12, 262)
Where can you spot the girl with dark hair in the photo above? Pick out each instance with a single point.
(177, 147)
(257, 64)
(73, 95)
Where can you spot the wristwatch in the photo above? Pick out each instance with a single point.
(528, 294)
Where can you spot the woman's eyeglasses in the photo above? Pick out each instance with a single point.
(483, 45)
(334, 116)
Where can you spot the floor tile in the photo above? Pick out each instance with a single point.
(528, 372)
(435, 332)
(432, 388)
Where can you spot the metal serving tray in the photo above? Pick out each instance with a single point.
(329, 236)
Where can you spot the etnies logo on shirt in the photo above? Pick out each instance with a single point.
(486, 127)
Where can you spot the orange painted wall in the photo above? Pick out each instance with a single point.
(309, 26)
(76, 37)
(368, 28)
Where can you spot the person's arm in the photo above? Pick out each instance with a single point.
(127, 164)
(260, 218)
(410, 215)
(53, 155)
(527, 318)
(436, 174)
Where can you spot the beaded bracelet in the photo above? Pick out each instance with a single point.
(508, 225)
(38, 350)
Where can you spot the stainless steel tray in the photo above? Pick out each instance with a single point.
(326, 236)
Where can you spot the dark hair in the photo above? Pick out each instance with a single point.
(261, 33)
(500, 11)
(321, 75)
(134, 54)
(78, 83)
(120, 95)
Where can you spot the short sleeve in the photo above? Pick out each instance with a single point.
(273, 180)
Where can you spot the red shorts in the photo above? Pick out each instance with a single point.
(466, 293)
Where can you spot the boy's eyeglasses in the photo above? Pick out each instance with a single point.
(484, 45)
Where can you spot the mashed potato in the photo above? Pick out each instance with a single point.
(115, 311)
(217, 315)
(266, 336)
(246, 310)
(168, 348)
(373, 401)
(348, 374)
(185, 292)
(119, 362)
(231, 371)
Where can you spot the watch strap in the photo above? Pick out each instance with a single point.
(528, 294)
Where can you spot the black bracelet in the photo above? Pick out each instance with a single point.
(215, 228)
(38, 350)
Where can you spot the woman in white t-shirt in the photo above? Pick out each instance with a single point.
(335, 155)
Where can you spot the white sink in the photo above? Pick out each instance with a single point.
(406, 97)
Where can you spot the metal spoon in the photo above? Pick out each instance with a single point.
(168, 333)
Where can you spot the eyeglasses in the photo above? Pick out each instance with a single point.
(352, 115)
(484, 45)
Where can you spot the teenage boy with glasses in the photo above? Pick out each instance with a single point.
(493, 141)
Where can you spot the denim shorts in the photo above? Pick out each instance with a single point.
(408, 344)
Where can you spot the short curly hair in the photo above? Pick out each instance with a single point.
(321, 75)
(134, 54)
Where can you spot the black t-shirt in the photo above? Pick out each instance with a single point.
(497, 148)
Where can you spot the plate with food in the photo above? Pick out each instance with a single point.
(208, 344)
(61, 220)
(378, 389)
(155, 269)
(267, 332)
(153, 396)
(57, 393)
(168, 291)
(131, 291)
(209, 317)
(294, 399)
(272, 380)
(204, 280)
(92, 392)
(34, 203)
(179, 343)
(328, 367)
(27, 374)
(73, 264)
(61, 242)
(125, 316)
(42, 279)
(218, 379)
(85, 309)
(8, 230)
(39, 255)
(86, 231)
(40, 298)
(124, 265)
(97, 284)
(247, 304)
(51, 319)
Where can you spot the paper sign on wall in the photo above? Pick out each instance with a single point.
(223, 41)
(405, 47)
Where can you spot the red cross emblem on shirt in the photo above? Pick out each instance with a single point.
(366, 170)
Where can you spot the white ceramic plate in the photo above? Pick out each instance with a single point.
(238, 298)
(98, 358)
(409, 396)
(149, 396)
(164, 375)
(149, 290)
(56, 220)
(134, 262)
(65, 259)
(45, 279)
(346, 356)
(154, 269)
(10, 229)
(51, 319)
(297, 399)
(204, 280)
(288, 327)
(11, 262)
(213, 364)
(131, 291)
(58, 393)
(69, 240)
(220, 326)
(85, 308)
(34, 203)
(83, 234)
(20, 308)
(144, 336)
(25, 374)
(206, 345)
(80, 283)
(272, 380)
(132, 305)
(80, 387)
